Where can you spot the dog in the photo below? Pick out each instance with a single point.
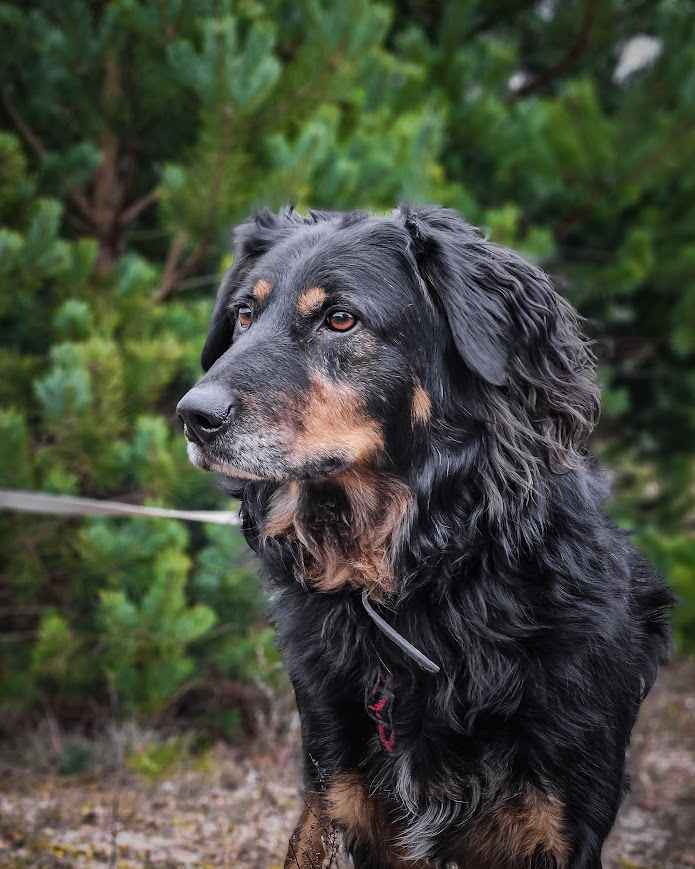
(403, 409)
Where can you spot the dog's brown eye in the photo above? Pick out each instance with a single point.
(340, 321)
(244, 317)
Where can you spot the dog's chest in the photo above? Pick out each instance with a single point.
(389, 763)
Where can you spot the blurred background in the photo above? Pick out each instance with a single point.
(144, 715)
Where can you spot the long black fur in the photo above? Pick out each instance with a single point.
(547, 624)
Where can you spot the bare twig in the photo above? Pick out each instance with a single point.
(171, 265)
(135, 209)
(34, 141)
(118, 776)
(174, 270)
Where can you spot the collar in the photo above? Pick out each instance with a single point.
(379, 702)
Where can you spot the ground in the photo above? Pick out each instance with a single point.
(236, 808)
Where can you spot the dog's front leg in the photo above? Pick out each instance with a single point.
(306, 848)
(314, 842)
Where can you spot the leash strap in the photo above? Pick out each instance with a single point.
(393, 635)
(67, 505)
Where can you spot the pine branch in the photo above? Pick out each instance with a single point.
(135, 209)
(175, 270)
(496, 16)
(37, 146)
(32, 139)
(99, 215)
(82, 203)
(580, 45)
(652, 160)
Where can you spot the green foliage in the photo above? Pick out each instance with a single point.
(155, 760)
(76, 756)
(675, 555)
(134, 134)
(55, 646)
(15, 461)
(146, 639)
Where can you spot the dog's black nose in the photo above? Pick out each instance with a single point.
(205, 410)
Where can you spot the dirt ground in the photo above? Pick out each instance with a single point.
(236, 809)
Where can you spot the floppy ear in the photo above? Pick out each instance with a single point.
(511, 328)
(252, 240)
(474, 283)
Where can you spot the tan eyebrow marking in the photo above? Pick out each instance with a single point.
(311, 300)
(262, 290)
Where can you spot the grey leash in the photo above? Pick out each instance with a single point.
(68, 505)
(393, 635)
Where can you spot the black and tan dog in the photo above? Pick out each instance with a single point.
(403, 407)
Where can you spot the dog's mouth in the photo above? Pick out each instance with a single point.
(208, 460)
(249, 467)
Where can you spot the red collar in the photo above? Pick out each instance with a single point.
(380, 703)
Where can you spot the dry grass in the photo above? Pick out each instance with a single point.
(231, 808)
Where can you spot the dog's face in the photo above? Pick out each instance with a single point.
(315, 356)
(391, 343)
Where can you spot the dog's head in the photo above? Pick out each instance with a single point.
(318, 350)
(343, 340)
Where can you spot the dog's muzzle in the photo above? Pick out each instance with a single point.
(206, 411)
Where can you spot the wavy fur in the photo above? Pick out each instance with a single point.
(547, 624)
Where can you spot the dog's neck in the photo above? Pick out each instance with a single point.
(345, 530)
(366, 528)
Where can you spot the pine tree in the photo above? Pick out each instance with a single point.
(135, 134)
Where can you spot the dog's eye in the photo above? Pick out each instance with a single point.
(244, 317)
(340, 321)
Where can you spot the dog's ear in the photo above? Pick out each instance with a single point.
(473, 282)
(511, 328)
(252, 240)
